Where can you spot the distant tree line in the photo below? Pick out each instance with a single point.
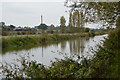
(7, 30)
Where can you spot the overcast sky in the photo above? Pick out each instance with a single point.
(28, 13)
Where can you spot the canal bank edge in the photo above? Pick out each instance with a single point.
(18, 42)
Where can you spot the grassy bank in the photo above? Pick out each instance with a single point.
(20, 41)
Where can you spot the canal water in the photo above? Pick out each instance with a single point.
(45, 54)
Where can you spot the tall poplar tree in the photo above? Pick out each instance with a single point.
(62, 24)
(70, 22)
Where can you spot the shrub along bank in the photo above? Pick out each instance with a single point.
(12, 42)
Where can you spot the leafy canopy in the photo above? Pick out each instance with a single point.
(96, 11)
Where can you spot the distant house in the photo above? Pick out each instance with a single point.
(23, 29)
(17, 29)
(46, 27)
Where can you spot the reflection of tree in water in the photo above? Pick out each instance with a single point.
(63, 45)
(56, 45)
(77, 46)
(71, 48)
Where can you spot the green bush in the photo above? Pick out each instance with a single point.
(91, 34)
(86, 29)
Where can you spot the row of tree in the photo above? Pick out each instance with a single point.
(75, 21)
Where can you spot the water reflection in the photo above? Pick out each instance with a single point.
(63, 45)
(77, 46)
(44, 54)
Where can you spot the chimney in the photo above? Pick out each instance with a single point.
(41, 19)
